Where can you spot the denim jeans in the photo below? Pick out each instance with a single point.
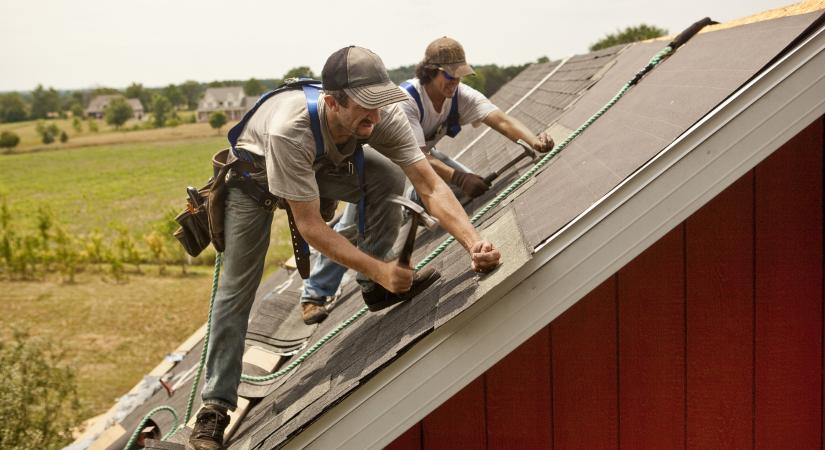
(247, 229)
(326, 274)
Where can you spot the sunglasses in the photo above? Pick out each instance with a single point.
(447, 75)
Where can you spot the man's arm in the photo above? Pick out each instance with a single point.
(442, 204)
(471, 184)
(514, 130)
(318, 234)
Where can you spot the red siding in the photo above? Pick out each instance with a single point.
(711, 338)
(518, 397)
(585, 395)
(789, 294)
(459, 422)
(719, 276)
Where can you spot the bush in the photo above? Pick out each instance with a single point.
(64, 137)
(92, 125)
(78, 127)
(38, 395)
(9, 140)
(217, 120)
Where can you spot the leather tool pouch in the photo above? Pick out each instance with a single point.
(202, 220)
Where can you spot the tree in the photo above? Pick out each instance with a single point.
(47, 132)
(173, 94)
(9, 140)
(39, 403)
(192, 91)
(253, 88)
(542, 60)
(63, 137)
(297, 72)
(628, 35)
(216, 120)
(136, 90)
(44, 101)
(118, 112)
(161, 107)
(12, 108)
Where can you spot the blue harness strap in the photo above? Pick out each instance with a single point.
(407, 86)
(452, 124)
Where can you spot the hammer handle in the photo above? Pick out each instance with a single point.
(409, 244)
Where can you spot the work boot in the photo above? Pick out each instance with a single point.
(380, 298)
(208, 431)
(313, 313)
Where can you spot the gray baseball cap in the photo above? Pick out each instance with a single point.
(362, 75)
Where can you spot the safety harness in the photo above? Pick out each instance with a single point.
(262, 196)
(453, 126)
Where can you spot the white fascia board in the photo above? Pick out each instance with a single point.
(711, 155)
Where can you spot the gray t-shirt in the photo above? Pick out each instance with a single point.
(280, 132)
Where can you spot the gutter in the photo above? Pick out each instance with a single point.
(724, 145)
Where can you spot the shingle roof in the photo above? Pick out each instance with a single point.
(668, 101)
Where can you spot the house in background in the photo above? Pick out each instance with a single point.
(230, 100)
(97, 107)
(661, 285)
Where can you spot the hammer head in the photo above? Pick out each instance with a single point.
(528, 151)
(414, 208)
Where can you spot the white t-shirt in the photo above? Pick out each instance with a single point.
(280, 132)
(473, 107)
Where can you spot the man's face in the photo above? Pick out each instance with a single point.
(358, 120)
(445, 84)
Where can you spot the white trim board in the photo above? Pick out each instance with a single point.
(711, 155)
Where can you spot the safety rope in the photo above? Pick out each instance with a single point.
(654, 61)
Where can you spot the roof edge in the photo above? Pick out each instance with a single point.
(729, 141)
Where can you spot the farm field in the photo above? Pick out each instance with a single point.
(113, 330)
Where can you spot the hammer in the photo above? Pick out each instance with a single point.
(418, 215)
(528, 152)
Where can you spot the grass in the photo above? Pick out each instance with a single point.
(113, 333)
(101, 187)
(106, 134)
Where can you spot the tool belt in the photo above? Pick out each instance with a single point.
(202, 221)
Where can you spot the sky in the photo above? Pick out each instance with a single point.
(113, 43)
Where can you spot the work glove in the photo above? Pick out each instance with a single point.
(470, 184)
(545, 143)
(328, 207)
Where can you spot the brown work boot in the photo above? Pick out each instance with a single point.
(208, 431)
(380, 298)
(313, 313)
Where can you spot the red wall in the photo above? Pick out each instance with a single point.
(711, 338)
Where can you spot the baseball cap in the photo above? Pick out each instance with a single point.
(448, 54)
(362, 75)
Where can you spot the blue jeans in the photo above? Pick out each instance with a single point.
(326, 274)
(247, 229)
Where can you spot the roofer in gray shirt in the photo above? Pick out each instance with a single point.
(359, 105)
(439, 104)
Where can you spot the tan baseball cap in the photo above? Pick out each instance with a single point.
(448, 54)
(362, 75)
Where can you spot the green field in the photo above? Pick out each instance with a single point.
(113, 331)
(100, 187)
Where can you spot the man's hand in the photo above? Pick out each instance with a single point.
(544, 143)
(395, 277)
(471, 184)
(485, 256)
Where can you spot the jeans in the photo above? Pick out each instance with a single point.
(247, 229)
(326, 274)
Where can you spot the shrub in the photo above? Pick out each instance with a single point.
(217, 120)
(9, 140)
(38, 395)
